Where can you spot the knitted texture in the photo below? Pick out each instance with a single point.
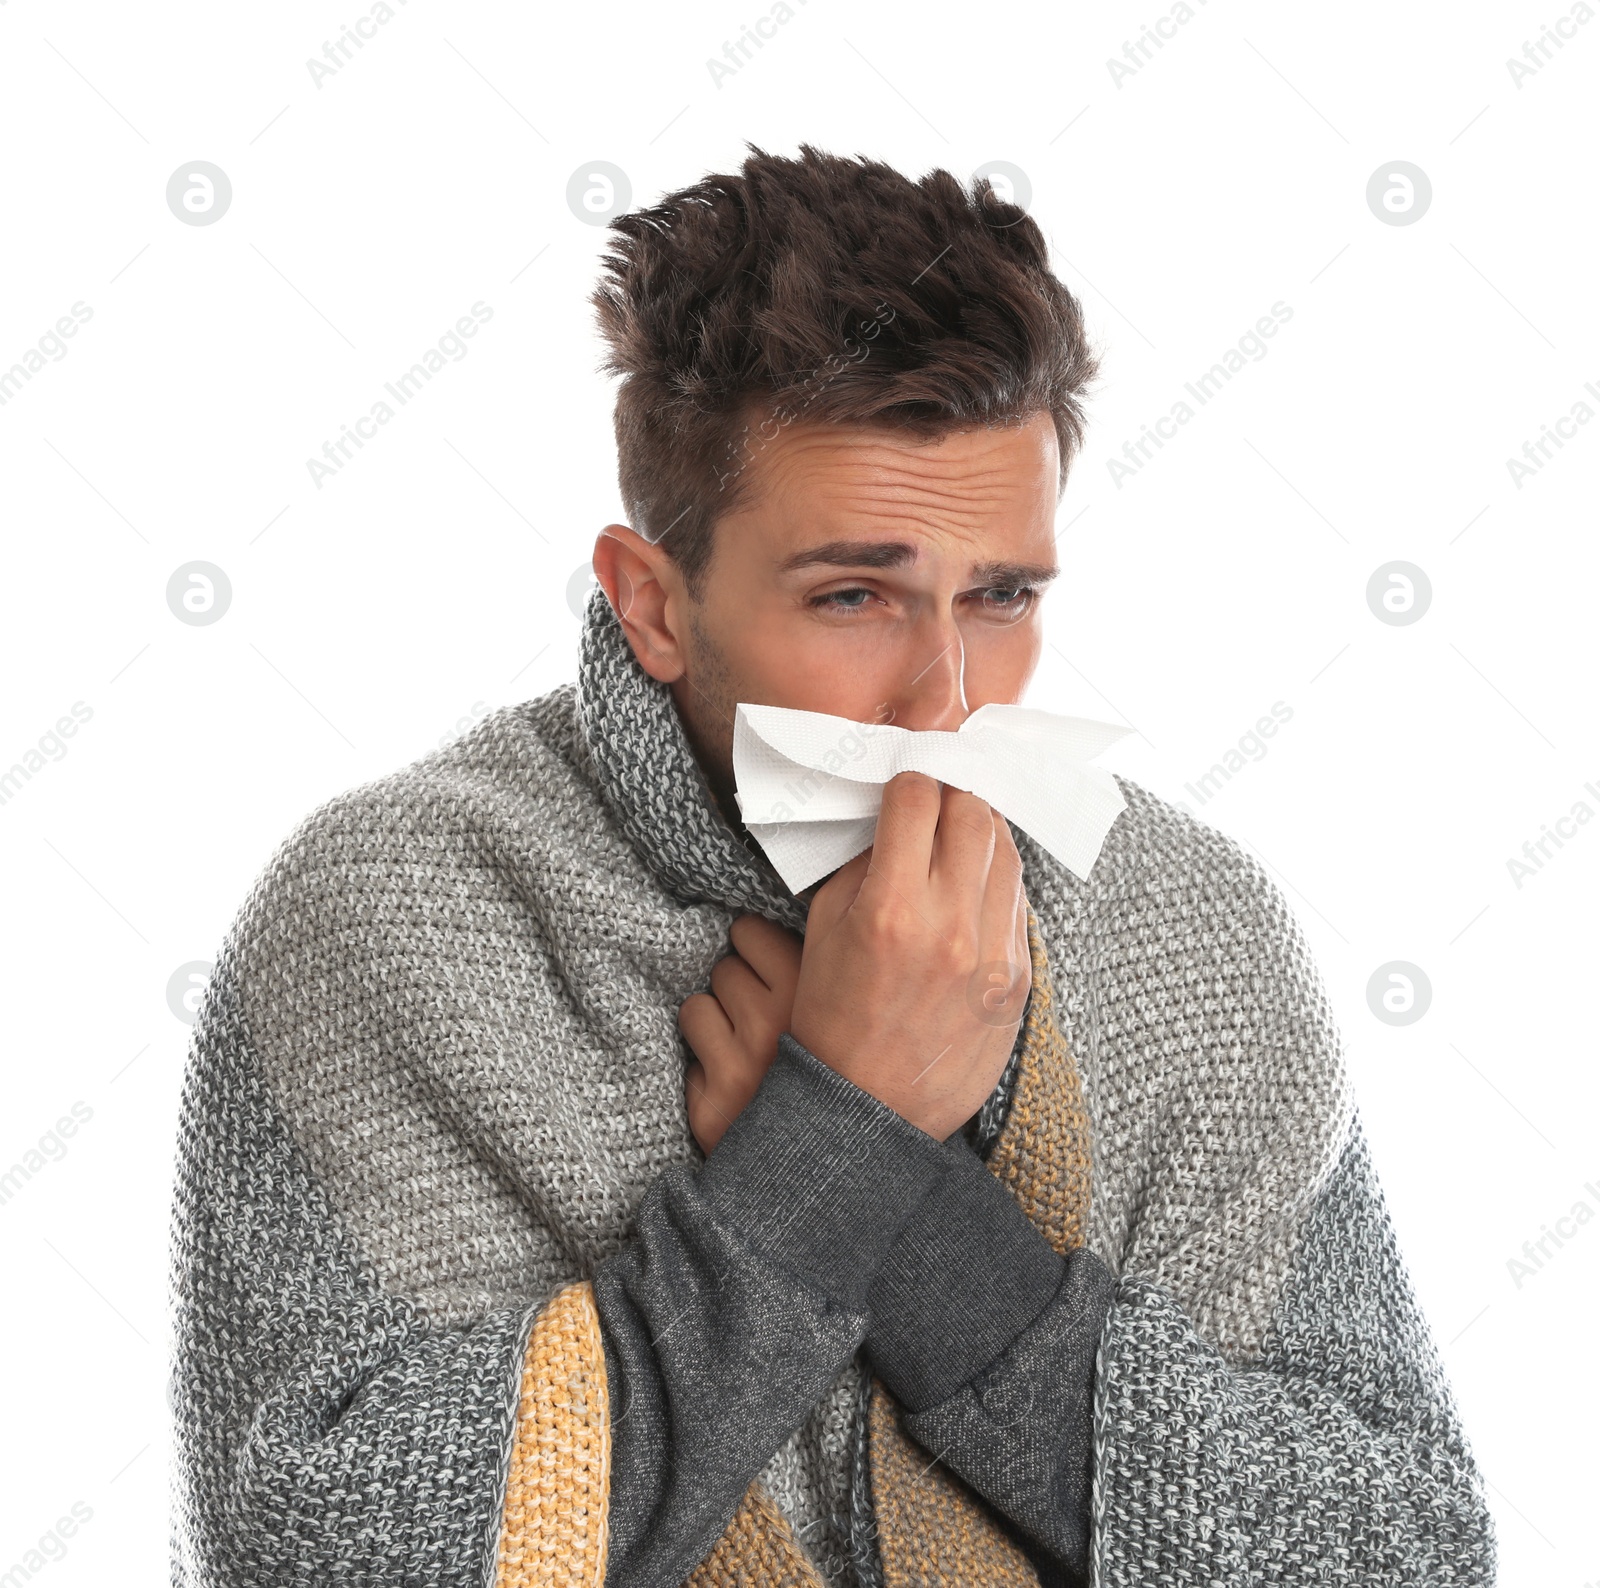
(437, 1068)
(324, 1430)
(810, 1478)
(1214, 1074)
(1043, 1153)
(932, 1532)
(1337, 1458)
(553, 1522)
(930, 1529)
(759, 1549)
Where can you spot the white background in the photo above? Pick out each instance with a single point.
(428, 581)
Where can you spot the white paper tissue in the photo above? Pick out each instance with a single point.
(810, 785)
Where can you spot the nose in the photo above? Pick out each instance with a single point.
(932, 695)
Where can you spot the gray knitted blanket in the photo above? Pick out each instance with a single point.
(437, 1068)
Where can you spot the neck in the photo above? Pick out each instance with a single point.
(720, 781)
(711, 745)
(660, 785)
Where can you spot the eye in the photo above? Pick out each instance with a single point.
(833, 600)
(1008, 601)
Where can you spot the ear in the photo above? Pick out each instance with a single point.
(646, 593)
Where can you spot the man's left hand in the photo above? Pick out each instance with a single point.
(733, 1030)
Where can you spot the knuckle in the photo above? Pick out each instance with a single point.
(872, 917)
(889, 925)
(959, 953)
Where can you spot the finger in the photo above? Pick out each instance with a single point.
(708, 1119)
(730, 1071)
(962, 847)
(1024, 943)
(744, 997)
(1003, 922)
(705, 1027)
(1023, 907)
(694, 1086)
(902, 846)
(773, 952)
(1004, 905)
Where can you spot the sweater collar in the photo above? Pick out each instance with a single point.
(646, 769)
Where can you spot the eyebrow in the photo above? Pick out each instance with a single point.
(901, 554)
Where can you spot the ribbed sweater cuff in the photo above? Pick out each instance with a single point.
(818, 1175)
(967, 1274)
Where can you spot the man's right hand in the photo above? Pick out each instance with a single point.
(916, 967)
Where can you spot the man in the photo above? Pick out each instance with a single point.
(561, 1199)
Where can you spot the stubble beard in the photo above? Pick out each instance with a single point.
(706, 696)
(706, 699)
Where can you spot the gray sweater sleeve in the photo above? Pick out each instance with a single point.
(987, 1338)
(740, 1298)
(325, 1429)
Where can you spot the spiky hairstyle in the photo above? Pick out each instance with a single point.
(827, 289)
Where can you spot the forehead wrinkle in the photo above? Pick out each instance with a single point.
(922, 462)
(916, 521)
(902, 490)
(912, 492)
(866, 475)
(924, 507)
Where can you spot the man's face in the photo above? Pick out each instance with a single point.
(868, 575)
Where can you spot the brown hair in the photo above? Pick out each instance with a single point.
(829, 289)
